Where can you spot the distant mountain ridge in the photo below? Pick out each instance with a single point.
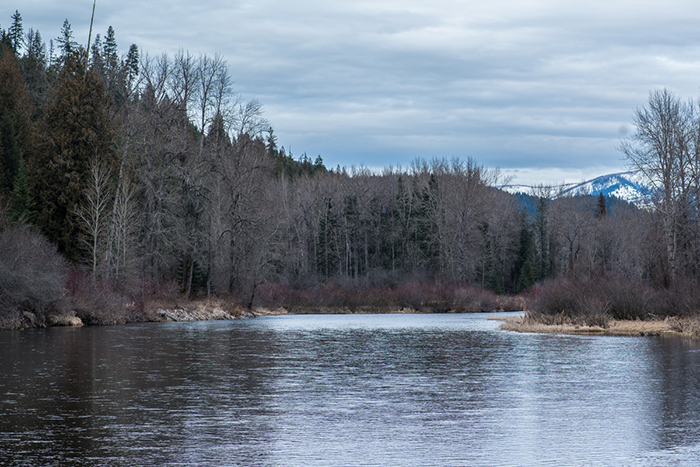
(627, 186)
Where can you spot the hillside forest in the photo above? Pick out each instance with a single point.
(126, 179)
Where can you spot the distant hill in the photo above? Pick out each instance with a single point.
(627, 186)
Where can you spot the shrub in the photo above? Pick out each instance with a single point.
(434, 298)
(618, 298)
(629, 298)
(31, 276)
(99, 303)
(575, 301)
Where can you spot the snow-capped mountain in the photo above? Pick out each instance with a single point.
(628, 186)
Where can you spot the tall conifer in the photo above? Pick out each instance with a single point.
(16, 33)
(15, 124)
(78, 130)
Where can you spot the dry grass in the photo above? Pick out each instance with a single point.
(196, 310)
(530, 323)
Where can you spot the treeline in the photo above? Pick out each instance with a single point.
(150, 175)
(663, 276)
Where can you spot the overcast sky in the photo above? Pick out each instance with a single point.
(542, 89)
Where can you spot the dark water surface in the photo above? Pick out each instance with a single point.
(345, 390)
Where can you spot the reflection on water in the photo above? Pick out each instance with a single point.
(416, 390)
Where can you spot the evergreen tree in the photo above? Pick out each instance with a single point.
(405, 213)
(22, 205)
(272, 143)
(327, 260)
(15, 125)
(10, 152)
(66, 44)
(16, 33)
(543, 268)
(33, 67)
(132, 64)
(425, 234)
(110, 52)
(522, 267)
(318, 165)
(526, 277)
(52, 53)
(96, 60)
(487, 271)
(78, 130)
(217, 138)
(5, 41)
(601, 209)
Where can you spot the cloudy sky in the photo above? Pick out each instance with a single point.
(542, 89)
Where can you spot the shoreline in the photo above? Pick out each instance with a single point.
(213, 310)
(194, 310)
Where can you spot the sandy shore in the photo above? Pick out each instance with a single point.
(613, 328)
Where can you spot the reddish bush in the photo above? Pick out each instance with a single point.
(612, 298)
(96, 302)
(435, 298)
(576, 300)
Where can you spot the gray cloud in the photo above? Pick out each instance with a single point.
(539, 87)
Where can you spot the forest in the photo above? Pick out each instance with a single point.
(127, 179)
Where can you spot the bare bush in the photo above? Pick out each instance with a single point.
(575, 301)
(96, 302)
(591, 300)
(628, 298)
(32, 274)
(432, 298)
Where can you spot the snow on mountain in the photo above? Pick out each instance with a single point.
(624, 185)
(627, 186)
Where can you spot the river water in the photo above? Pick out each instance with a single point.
(345, 390)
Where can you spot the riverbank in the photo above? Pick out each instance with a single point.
(84, 302)
(216, 310)
(173, 310)
(159, 311)
(688, 327)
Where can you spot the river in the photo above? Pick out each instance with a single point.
(345, 390)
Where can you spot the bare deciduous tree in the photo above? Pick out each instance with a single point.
(94, 213)
(662, 149)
